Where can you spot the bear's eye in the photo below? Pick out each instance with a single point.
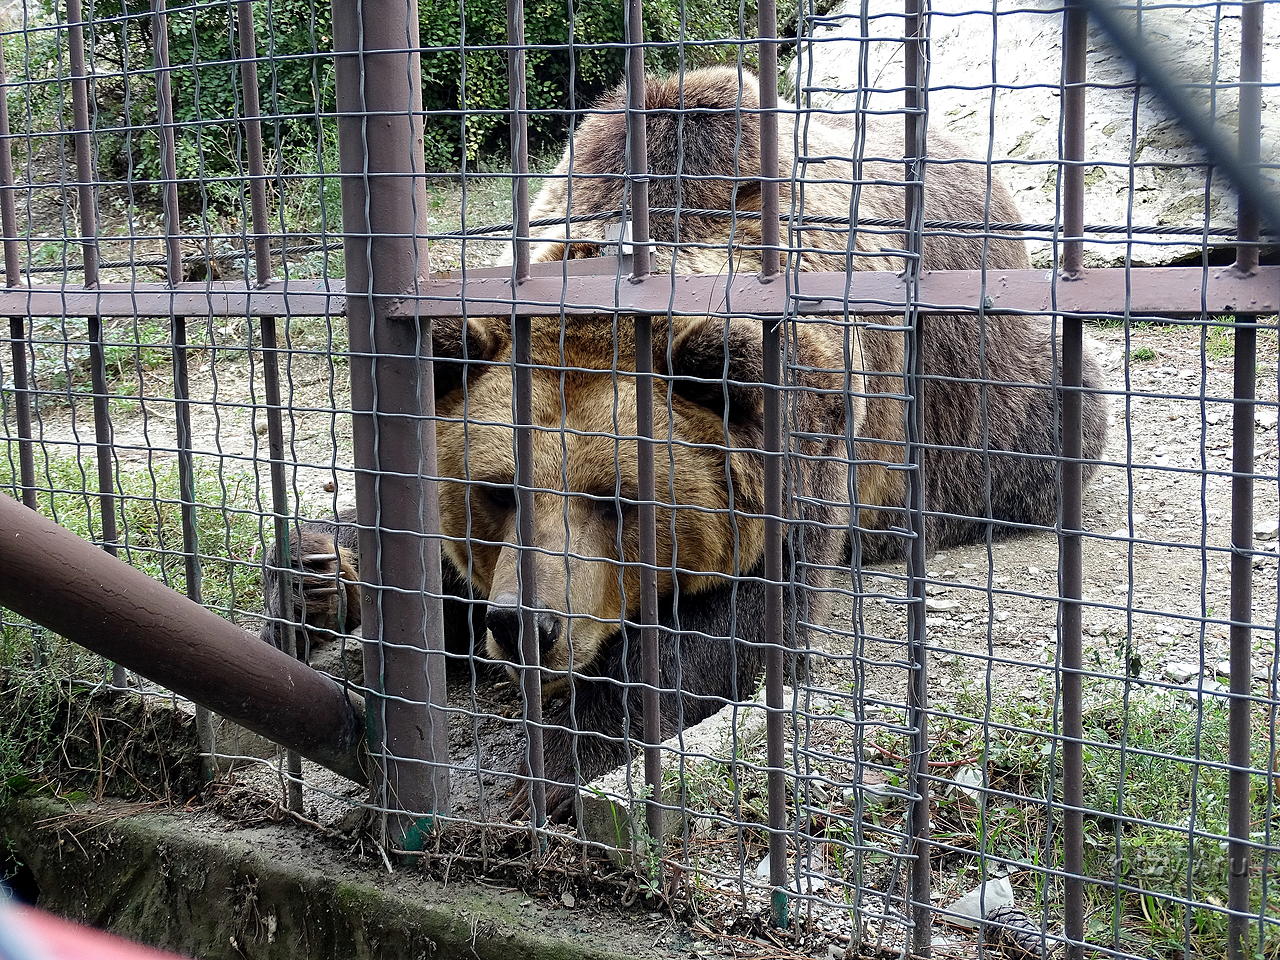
(611, 506)
(496, 498)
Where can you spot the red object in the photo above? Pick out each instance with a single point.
(45, 937)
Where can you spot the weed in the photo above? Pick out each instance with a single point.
(1155, 794)
(1142, 354)
(149, 514)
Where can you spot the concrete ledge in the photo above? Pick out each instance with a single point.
(195, 884)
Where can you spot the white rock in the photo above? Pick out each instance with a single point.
(1223, 668)
(1180, 672)
(1025, 61)
(1267, 529)
(1002, 616)
(980, 902)
(1265, 418)
(969, 781)
(940, 604)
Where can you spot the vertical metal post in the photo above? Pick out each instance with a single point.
(296, 640)
(1242, 451)
(379, 104)
(919, 830)
(774, 451)
(638, 188)
(178, 330)
(89, 254)
(1070, 547)
(17, 325)
(522, 374)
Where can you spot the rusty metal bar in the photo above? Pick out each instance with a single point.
(517, 81)
(646, 514)
(1155, 291)
(87, 202)
(295, 640)
(1070, 546)
(915, 146)
(18, 310)
(522, 386)
(775, 446)
(93, 599)
(178, 328)
(1245, 359)
(380, 140)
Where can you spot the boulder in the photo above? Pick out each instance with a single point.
(1143, 169)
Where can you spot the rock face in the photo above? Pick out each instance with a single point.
(1017, 53)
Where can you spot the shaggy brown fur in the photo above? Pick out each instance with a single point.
(703, 143)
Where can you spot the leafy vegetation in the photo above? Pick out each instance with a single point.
(149, 514)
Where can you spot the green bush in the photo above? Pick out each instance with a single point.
(456, 78)
(296, 84)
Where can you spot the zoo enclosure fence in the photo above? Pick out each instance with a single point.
(390, 297)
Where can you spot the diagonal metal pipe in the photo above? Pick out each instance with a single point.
(69, 586)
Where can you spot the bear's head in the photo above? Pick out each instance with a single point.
(708, 413)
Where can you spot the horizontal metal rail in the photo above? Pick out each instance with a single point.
(1147, 291)
(69, 586)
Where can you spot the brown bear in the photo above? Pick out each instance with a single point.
(842, 378)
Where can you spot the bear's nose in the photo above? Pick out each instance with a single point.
(503, 620)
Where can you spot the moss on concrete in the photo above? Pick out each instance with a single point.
(189, 883)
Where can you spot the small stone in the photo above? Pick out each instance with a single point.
(1002, 616)
(936, 590)
(568, 900)
(1267, 529)
(1265, 418)
(940, 605)
(1223, 668)
(1180, 672)
(1034, 571)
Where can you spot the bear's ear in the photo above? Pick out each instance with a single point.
(717, 364)
(459, 349)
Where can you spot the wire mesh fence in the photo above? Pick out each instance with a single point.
(820, 461)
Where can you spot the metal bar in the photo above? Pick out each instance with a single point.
(178, 328)
(647, 515)
(522, 385)
(637, 141)
(518, 83)
(89, 254)
(1070, 546)
(530, 651)
(81, 593)
(1155, 291)
(1239, 814)
(775, 445)
(915, 147)
(295, 640)
(18, 310)
(393, 395)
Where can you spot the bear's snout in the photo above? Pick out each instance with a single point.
(503, 620)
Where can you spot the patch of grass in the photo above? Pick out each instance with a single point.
(132, 349)
(1219, 338)
(149, 515)
(1142, 355)
(1155, 793)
